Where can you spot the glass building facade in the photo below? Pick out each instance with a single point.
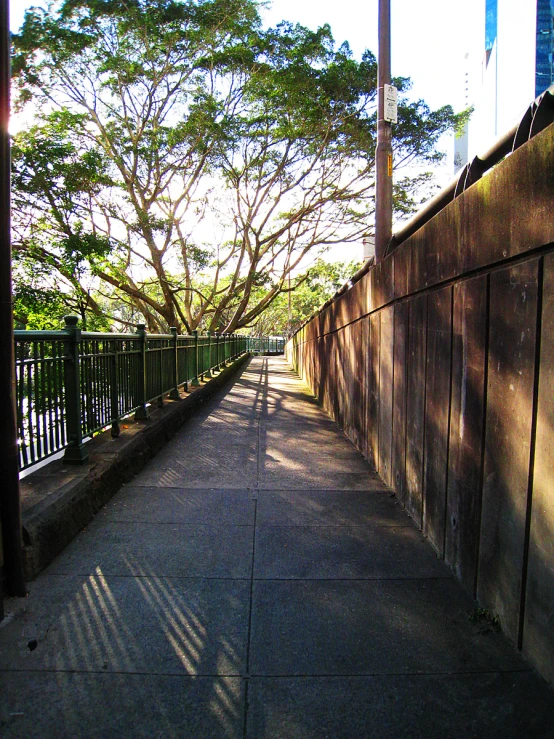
(545, 44)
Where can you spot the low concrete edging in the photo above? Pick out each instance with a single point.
(73, 495)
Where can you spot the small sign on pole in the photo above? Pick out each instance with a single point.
(391, 103)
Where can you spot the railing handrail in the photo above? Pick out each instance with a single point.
(34, 335)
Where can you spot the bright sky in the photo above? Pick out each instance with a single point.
(429, 37)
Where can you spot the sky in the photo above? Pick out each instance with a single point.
(429, 37)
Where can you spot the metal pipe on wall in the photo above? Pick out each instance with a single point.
(10, 510)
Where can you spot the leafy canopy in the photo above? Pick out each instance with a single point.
(184, 161)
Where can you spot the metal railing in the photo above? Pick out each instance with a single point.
(266, 345)
(71, 383)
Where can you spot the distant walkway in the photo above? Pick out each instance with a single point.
(257, 579)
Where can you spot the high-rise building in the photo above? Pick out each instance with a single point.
(507, 68)
(544, 75)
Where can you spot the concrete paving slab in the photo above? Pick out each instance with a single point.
(365, 627)
(98, 706)
(165, 550)
(282, 454)
(308, 450)
(216, 465)
(493, 705)
(178, 505)
(307, 478)
(346, 552)
(344, 458)
(296, 425)
(330, 508)
(149, 625)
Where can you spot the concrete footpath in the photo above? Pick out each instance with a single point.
(257, 579)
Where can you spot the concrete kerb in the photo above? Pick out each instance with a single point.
(71, 496)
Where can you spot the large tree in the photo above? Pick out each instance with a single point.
(308, 291)
(155, 118)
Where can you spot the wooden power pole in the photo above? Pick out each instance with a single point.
(10, 511)
(383, 155)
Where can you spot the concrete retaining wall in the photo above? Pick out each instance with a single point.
(439, 366)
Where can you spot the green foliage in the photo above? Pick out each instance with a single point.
(37, 309)
(159, 116)
(310, 291)
(42, 308)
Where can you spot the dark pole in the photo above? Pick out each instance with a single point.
(383, 155)
(10, 510)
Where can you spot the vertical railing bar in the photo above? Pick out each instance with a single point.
(39, 421)
(49, 376)
(75, 452)
(48, 399)
(43, 440)
(142, 411)
(209, 374)
(84, 396)
(195, 380)
(106, 385)
(174, 394)
(63, 395)
(60, 406)
(30, 408)
(114, 391)
(161, 387)
(105, 415)
(21, 394)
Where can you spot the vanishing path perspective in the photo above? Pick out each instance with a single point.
(257, 579)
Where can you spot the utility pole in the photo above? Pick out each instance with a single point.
(383, 154)
(10, 511)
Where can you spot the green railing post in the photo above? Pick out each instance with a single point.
(174, 394)
(195, 381)
(218, 352)
(216, 365)
(186, 354)
(160, 373)
(142, 412)
(208, 374)
(114, 396)
(75, 452)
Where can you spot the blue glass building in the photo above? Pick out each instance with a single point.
(517, 38)
(545, 43)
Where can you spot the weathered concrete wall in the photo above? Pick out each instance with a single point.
(439, 366)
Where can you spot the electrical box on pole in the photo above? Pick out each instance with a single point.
(391, 104)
